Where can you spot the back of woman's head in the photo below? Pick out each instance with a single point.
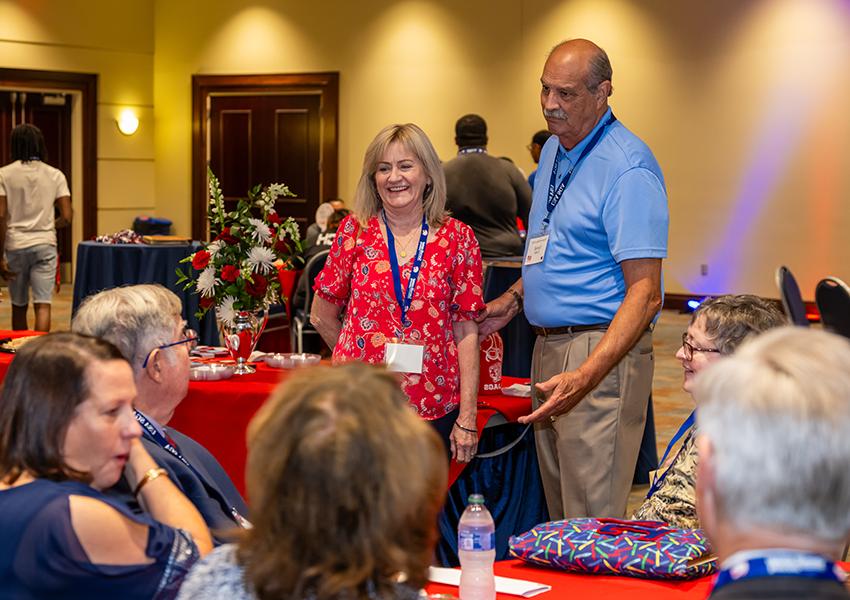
(345, 483)
(41, 390)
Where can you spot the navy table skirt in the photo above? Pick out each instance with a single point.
(104, 266)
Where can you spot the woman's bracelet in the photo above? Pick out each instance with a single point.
(466, 429)
(147, 478)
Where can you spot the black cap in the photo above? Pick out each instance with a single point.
(471, 130)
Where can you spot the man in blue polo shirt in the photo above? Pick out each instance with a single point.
(591, 287)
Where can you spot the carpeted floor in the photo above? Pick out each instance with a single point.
(672, 405)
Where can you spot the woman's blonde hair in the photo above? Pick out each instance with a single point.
(345, 482)
(367, 201)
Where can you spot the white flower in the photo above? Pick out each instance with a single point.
(206, 281)
(225, 311)
(261, 232)
(214, 247)
(261, 259)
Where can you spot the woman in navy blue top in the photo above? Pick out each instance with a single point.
(67, 432)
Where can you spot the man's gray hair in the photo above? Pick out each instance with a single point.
(136, 318)
(777, 413)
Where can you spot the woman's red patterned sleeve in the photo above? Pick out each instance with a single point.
(467, 299)
(334, 281)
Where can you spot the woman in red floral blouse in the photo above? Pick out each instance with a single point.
(406, 279)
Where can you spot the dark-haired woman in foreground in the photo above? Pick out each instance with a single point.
(67, 432)
(345, 483)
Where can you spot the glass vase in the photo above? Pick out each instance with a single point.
(241, 336)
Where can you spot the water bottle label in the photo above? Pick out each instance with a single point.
(474, 541)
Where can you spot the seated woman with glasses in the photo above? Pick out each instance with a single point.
(717, 327)
(345, 483)
(145, 322)
(67, 433)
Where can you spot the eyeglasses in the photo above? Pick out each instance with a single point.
(689, 348)
(190, 337)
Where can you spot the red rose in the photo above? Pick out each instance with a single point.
(281, 247)
(274, 218)
(206, 302)
(201, 259)
(258, 287)
(229, 273)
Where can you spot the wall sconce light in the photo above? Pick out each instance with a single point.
(128, 122)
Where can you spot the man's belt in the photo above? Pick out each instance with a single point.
(569, 329)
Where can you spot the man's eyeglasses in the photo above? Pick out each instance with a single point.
(189, 337)
(689, 348)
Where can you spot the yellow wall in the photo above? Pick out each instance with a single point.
(742, 102)
(115, 41)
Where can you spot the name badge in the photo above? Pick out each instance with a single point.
(404, 358)
(536, 249)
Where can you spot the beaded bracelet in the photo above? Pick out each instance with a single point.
(517, 297)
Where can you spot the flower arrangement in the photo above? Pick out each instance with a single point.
(241, 269)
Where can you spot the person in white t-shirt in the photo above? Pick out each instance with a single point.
(29, 190)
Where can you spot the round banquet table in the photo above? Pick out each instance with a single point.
(103, 266)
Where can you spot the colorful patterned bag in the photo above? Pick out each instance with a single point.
(647, 549)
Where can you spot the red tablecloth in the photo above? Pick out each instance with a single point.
(6, 358)
(598, 587)
(217, 413)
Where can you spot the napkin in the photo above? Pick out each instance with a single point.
(517, 389)
(504, 585)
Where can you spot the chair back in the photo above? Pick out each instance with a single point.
(312, 269)
(833, 299)
(792, 301)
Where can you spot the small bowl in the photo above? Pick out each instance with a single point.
(210, 372)
(291, 361)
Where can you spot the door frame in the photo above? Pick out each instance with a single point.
(86, 84)
(326, 85)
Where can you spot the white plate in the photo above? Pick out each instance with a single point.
(291, 361)
(210, 372)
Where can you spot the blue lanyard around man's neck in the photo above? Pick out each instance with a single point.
(781, 563)
(405, 300)
(554, 195)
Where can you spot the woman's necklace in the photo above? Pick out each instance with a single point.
(402, 249)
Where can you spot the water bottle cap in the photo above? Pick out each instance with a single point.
(476, 499)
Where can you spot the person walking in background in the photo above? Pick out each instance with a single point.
(485, 192)
(538, 140)
(591, 280)
(29, 190)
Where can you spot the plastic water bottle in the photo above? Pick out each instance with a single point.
(476, 545)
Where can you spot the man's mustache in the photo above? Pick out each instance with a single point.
(556, 113)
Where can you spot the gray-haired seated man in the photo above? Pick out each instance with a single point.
(145, 322)
(773, 483)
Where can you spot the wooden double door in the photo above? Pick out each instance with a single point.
(262, 130)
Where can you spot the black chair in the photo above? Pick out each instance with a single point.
(792, 301)
(301, 314)
(833, 299)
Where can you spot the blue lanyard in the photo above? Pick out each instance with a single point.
(405, 300)
(554, 195)
(689, 422)
(783, 563)
(160, 439)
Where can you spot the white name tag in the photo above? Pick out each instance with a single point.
(536, 249)
(404, 358)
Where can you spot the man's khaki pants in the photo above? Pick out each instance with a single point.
(587, 456)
